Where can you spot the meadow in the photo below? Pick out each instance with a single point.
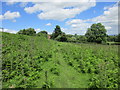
(37, 62)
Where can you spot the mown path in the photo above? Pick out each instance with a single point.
(69, 77)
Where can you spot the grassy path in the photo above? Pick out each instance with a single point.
(69, 77)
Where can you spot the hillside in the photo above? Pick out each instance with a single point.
(34, 61)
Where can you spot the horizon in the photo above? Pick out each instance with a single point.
(51, 33)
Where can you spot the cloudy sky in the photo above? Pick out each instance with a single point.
(73, 17)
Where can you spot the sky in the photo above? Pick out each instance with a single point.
(72, 17)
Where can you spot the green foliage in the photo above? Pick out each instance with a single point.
(55, 71)
(76, 38)
(56, 32)
(43, 34)
(25, 59)
(96, 33)
(29, 31)
(81, 38)
(71, 39)
(112, 38)
(118, 37)
(59, 35)
(61, 38)
(107, 77)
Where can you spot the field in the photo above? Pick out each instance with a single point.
(113, 43)
(37, 62)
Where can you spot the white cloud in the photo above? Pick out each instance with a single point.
(23, 4)
(109, 16)
(10, 2)
(67, 9)
(48, 24)
(9, 31)
(108, 28)
(109, 19)
(10, 16)
(75, 21)
(38, 30)
(59, 11)
(78, 26)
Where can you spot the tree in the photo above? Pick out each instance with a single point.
(73, 39)
(29, 31)
(118, 37)
(56, 32)
(42, 33)
(112, 38)
(61, 38)
(96, 33)
(81, 38)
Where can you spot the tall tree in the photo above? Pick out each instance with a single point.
(96, 33)
(56, 32)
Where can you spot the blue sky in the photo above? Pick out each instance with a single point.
(73, 18)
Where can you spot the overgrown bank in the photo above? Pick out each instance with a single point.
(34, 61)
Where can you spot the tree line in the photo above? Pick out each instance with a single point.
(96, 33)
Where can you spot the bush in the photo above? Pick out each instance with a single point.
(61, 38)
(29, 31)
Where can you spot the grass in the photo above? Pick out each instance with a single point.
(27, 58)
(113, 43)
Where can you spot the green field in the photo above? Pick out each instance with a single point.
(37, 62)
(113, 43)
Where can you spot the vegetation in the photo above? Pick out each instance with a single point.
(118, 38)
(29, 31)
(42, 33)
(61, 38)
(97, 33)
(56, 32)
(37, 62)
(112, 38)
(76, 38)
(31, 60)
